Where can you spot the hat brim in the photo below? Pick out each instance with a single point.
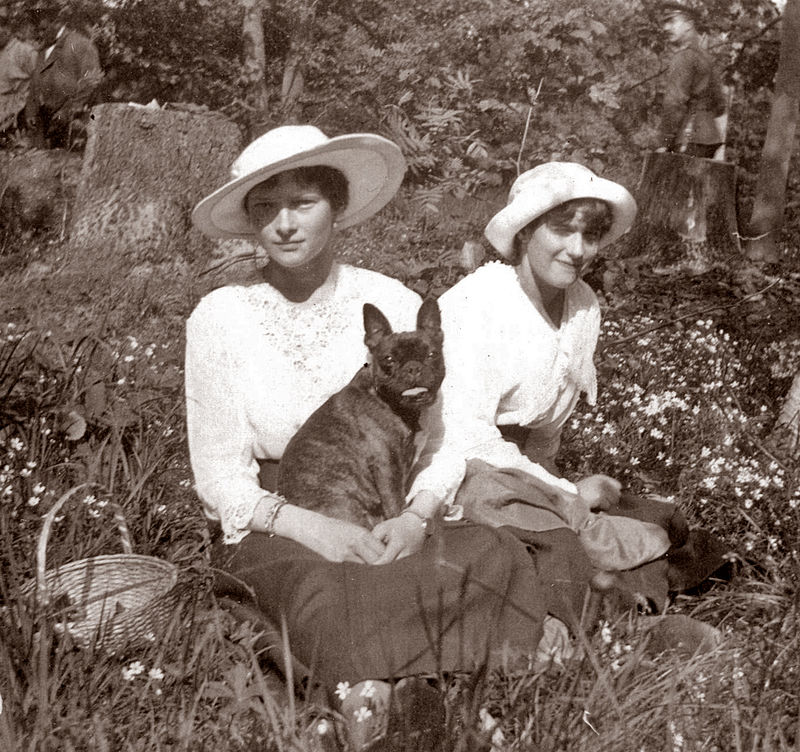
(373, 167)
(530, 204)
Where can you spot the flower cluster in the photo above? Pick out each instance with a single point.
(681, 413)
(136, 670)
(614, 649)
(133, 363)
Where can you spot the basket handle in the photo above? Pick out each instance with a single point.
(44, 535)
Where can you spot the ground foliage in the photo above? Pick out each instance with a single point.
(692, 371)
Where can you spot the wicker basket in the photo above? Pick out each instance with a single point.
(108, 601)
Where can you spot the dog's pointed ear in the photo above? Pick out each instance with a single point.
(376, 326)
(429, 319)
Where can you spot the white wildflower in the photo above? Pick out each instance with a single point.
(343, 690)
(368, 690)
(132, 671)
(362, 714)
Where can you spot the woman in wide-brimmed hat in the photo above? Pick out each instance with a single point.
(259, 360)
(519, 341)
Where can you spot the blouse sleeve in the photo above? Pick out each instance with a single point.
(461, 424)
(221, 438)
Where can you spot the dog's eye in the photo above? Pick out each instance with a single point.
(387, 362)
(433, 354)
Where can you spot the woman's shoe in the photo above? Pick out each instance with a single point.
(417, 719)
(406, 717)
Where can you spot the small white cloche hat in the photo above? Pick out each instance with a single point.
(548, 185)
(373, 166)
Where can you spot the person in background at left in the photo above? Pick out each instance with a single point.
(17, 64)
(694, 96)
(67, 75)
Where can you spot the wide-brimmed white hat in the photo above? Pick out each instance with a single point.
(548, 185)
(373, 166)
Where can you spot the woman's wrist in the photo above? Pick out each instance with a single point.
(425, 523)
(267, 512)
(297, 523)
(426, 505)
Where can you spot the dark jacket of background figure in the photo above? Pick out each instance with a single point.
(17, 66)
(693, 93)
(64, 82)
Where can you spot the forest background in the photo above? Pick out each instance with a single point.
(694, 369)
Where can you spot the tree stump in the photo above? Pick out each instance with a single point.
(143, 171)
(687, 212)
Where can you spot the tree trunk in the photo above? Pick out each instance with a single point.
(255, 61)
(766, 220)
(687, 212)
(293, 83)
(787, 426)
(292, 86)
(143, 171)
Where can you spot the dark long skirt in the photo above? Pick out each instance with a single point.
(473, 596)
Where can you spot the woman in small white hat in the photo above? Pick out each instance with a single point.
(520, 336)
(259, 360)
(519, 345)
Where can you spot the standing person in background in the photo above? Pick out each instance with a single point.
(17, 64)
(67, 74)
(694, 96)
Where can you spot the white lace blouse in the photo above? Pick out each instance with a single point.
(507, 364)
(257, 365)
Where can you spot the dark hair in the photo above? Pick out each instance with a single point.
(596, 215)
(329, 181)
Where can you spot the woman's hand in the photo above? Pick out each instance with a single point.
(599, 491)
(402, 536)
(336, 540)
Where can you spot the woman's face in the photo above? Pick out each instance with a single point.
(557, 253)
(292, 220)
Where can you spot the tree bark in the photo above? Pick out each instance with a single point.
(255, 61)
(143, 171)
(766, 221)
(788, 421)
(687, 212)
(293, 83)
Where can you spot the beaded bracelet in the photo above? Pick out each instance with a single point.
(269, 525)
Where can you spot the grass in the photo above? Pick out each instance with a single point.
(91, 390)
